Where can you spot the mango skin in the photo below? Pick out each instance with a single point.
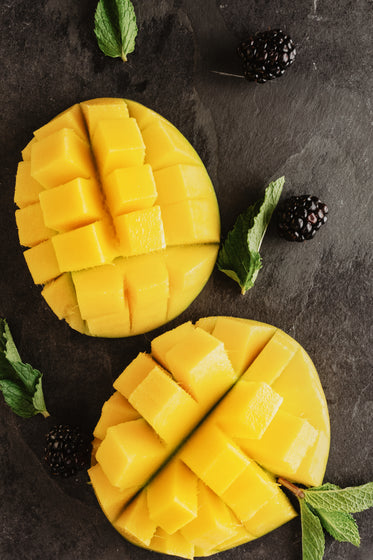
(215, 486)
(110, 184)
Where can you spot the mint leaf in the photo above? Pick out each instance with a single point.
(239, 256)
(348, 500)
(19, 401)
(313, 540)
(341, 526)
(38, 398)
(7, 343)
(116, 27)
(27, 375)
(20, 383)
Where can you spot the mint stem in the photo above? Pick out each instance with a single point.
(290, 486)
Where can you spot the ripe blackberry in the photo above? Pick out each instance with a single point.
(266, 55)
(300, 217)
(67, 450)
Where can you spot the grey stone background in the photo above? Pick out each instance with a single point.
(314, 125)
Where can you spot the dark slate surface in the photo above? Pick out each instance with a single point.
(314, 125)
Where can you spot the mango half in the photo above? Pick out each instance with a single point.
(119, 216)
(188, 447)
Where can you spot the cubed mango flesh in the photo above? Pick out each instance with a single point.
(172, 497)
(196, 474)
(70, 206)
(113, 184)
(27, 189)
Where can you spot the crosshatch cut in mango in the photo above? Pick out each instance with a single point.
(189, 447)
(111, 184)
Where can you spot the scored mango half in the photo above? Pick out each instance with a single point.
(119, 216)
(188, 447)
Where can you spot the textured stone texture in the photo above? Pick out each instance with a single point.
(314, 125)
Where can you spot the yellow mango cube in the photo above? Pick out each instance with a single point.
(165, 146)
(283, 445)
(214, 523)
(61, 157)
(135, 524)
(169, 409)
(248, 409)
(214, 457)
(190, 221)
(26, 152)
(71, 118)
(242, 341)
(111, 499)
(130, 453)
(105, 108)
(311, 470)
(172, 497)
(111, 325)
(277, 511)
(60, 295)
(204, 373)
(148, 291)
(85, 247)
(27, 189)
(134, 374)
(273, 359)
(143, 115)
(42, 262)
(181, 182)
(130, 188)
(116, 410)
(207, 323)
(73, 205)
(164, 342)
(175, 545)
(300, 387)
(92, 299)
(189, 268)
(116, 144)
(140, 232)
(249, 492)
(31, 227)
(242, 536)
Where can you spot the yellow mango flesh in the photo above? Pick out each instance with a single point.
(189, 446)
(110, 183)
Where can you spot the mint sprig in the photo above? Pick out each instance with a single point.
(239, 256)
(348, 500)
(313, 540)
(329, 507)
(116, 27)
(20, 383)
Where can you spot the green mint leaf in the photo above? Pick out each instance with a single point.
(7, 343)
(239, 256)
(27, 375)
(341, 526)
(38, 399)
(313, 540)
(347, 500)
(116, 27)
(20, 383)
(19, 401)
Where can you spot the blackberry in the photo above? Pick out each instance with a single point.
(67, 450)
(300, 217)
(266, 55)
